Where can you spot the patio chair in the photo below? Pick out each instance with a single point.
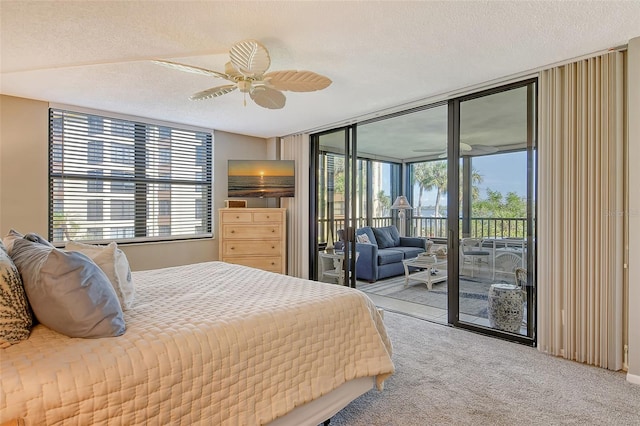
(507, 264)
(472, 253)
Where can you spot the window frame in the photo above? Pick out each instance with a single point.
(133, 180)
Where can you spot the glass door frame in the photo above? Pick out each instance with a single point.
(453, 212)
(350, 201)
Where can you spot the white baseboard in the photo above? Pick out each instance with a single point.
(632, 378)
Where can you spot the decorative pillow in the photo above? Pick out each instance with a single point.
(67, 291)
(368, 231)
(15, 315)
(114, 264)
(8, 240)
(387, 236)
(363, 238)
(15, 235)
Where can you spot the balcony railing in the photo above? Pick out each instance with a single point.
(436, 227)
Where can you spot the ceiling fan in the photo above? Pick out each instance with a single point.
(466, 150)
(246, 70)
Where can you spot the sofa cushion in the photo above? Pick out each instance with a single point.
(387, 236)
(409, 252)
(387, 256)
(368, 231)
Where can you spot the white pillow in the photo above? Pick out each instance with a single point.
(363, 238)
(115, 265)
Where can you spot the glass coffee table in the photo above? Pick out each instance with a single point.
(430, 274)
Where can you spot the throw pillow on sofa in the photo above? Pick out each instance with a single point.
(387, 236)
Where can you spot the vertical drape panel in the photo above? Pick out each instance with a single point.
(297, 148)
(580, 196)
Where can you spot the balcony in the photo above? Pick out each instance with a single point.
(436, 227)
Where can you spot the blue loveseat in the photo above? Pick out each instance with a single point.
(382, 255)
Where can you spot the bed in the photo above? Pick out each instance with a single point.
(210, 343)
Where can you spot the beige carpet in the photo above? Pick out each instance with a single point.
(447, 376)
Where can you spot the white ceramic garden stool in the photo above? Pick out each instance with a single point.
(506, 307)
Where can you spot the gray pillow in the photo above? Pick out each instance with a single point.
(15, 314)
(67, 291)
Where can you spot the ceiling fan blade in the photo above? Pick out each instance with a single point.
(297, 81)
(214, 92)
(267, 97)
(480, 150)
(230, 70)
(191, 69)
(250, 58)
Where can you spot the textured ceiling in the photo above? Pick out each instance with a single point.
(378, 54)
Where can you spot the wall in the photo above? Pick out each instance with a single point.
(24, 125)
(633, 158)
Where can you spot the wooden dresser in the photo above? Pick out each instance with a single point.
(254, 237)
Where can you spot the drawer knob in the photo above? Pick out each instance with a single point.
(273, 263)
(237, 217)
(273, 230)
(233, 232)
(232, 248)
(273, 247)
(268, 217)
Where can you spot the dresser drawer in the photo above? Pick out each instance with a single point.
(250, 247)
(268, 263)
(256, 232)
(267, 217)
(236, 217)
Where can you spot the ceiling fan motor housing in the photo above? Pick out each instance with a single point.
(244, 86)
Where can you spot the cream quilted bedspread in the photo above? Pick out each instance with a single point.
(210, 343)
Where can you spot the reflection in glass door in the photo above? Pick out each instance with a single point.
(496, 245)
(338, 183)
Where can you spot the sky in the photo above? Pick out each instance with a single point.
(261, 168)
(500, 172)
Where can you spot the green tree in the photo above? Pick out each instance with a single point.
(429, 176)
(500, 206)
(384, 203)
(433, 176)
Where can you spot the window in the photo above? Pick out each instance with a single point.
(94, 183)
(122, 153)
(122, 182)
(94, 209)
(164, 156)
(94, 152)
(123, 232)
(122, 128)
(122, 210)
(94, 233)
(164, 207)
(95, 124)
(153, 182)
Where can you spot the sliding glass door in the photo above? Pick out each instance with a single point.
(339, 183)
(466, 167)
(493, 135)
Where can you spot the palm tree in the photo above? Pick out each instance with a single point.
(433, 175)
(429, 176)
(384, 202)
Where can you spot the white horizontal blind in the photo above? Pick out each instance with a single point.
(114, 179)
